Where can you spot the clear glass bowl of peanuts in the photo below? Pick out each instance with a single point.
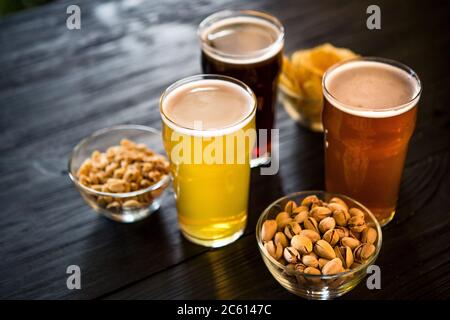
(121, 172)
(319, 245)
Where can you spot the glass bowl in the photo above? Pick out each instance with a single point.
(307, 112)
(147, 200)
(316, 286)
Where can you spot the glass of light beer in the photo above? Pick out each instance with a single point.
(247, 45)
(369, 116)
(209, 133)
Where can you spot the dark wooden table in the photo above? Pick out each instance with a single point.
(57, 86)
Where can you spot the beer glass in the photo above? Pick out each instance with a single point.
(209, 132)
(369, 116)
(247, 45)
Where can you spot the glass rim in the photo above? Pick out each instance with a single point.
(393, 63)
(226, 14)
(206, 132)
(73, 177)
(272, 260)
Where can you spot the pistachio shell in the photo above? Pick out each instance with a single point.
(268, 230)
(339, 201)
(332, 267)
(341, 217)
(302, 243)
(324, 250)
(310, 261)
(281, 238)
(369, 235)
(311, 224)
(327, 224)
(322, 262)
(282, 219)
(291, 255)
(311, 270)
(311, 234)
(292, 229)
(309, 200)
(350, 242)
(320, 213)
(290, 206)
(300, 216)
(331, 236)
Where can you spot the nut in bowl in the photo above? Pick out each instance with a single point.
(318, 245)
(120, 171)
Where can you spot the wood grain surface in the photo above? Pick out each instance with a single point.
(57, 86)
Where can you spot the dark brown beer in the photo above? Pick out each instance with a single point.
(248, 46)
(369, 115)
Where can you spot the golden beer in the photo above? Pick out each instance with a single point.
(208, 133)
(369, 116)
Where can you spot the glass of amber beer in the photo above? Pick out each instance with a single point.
(209, 133)
(247, 45)
(369, 116)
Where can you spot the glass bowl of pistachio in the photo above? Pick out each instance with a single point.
(318, 245)
(121, 171)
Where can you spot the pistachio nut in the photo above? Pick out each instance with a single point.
(278, 251)
(369, 235)
(302, 243)
(332, 267)
(311, 270)
(299, 267)
(290, 206)
(355, 212)
(364, 251)
(322, 262)
(320, 213)
(342, 231)
(339, 201)
(324, 250)
(300, 216)
(341, 217)
(327, 224)
(309, 200)
(282, 219)
(281, 238)
(290, 269)
(356, 223)
(291, 229)
(291, 255)
(310, 261)
(311, 234)
(268, 230)
(311, 224)
(270, 248)
(352, 243)
(331, 236)
(345, 254)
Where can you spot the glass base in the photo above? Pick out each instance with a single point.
(383, 222)
(260, 161)
(215, 243)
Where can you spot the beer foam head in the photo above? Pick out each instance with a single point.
(372, 88)
(207, 106)
(241, 37)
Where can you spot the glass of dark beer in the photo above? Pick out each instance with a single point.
(247, 45)
(369, 116)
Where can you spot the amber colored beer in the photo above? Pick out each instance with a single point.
(369, 115)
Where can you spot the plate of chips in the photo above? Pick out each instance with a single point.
(300, 82)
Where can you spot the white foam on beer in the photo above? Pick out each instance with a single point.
(217, 114)
(373, 112)
(250, 57)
